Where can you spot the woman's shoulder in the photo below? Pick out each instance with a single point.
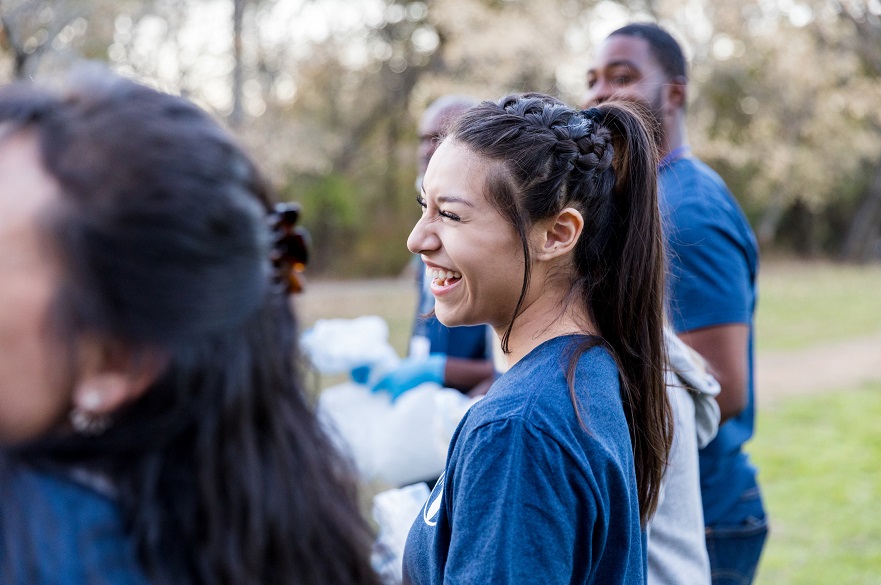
(537, 393)
(58, 490)
(542, 376)
(59, 524)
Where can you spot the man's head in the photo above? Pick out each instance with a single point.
(434, 122)
(642, 62)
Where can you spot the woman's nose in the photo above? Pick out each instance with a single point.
(423, 238)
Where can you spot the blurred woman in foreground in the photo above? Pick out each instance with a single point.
(151, 411)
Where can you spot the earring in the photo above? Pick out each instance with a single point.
(85, 420)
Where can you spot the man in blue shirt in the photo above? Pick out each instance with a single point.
(455, 357)
(713, 259)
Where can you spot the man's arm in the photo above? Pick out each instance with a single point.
(725, 349)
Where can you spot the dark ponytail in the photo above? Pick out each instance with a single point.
(623, 282)
(602, 162)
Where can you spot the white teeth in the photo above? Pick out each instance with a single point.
(442, 275)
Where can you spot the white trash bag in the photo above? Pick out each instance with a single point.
(397, 442)
(337, 346)
(401, 442)
(394, 511)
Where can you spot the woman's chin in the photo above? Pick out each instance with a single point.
(449, 318)
(447, 322)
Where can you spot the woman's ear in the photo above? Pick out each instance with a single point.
(111, 376)
(559, 234)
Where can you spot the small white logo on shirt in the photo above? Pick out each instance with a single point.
(433, 504)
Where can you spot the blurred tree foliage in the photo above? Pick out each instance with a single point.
(784, 109)
(327, 94)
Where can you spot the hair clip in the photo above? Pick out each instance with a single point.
(290, 246)
(594, 116)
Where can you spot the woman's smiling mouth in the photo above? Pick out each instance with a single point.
(442, 280)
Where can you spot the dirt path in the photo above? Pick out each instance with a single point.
(844, 364)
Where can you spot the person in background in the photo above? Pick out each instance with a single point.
(153, 423)
(713, 259)
(677, 546)
(454, 357)
(543, 222)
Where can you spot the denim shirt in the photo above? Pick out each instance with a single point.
(63, 529)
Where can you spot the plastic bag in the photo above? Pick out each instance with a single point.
(394, 511)
(398, 443)
(337, 346)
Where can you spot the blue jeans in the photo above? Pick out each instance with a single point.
(735, 549)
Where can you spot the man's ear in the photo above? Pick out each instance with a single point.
(559, 234)
(111, 376)
(677, 92)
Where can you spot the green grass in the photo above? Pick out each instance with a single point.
(820, 468)
(805, 304)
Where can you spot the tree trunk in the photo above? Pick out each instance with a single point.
(391, 173)
(865, 228)
(237, 114)
(766, 231)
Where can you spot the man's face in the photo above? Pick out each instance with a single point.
(624, 68)
(432, 127)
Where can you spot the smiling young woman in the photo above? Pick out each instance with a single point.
(543, 222)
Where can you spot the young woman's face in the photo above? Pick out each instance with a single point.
(473, 254)
(30, 400)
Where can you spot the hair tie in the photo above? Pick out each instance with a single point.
(290, 246)
(593, 115)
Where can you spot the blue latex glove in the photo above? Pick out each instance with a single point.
(410, 373)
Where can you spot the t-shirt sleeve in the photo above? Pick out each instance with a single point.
(710, 274)
(516, 510)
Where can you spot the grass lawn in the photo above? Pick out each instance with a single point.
(804, 304)
(820, 469)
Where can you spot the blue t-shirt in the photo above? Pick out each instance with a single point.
(468, 342)
(713, 259)
(528, 494)
(62, 532)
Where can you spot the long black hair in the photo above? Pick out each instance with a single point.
(221, 470)
(602, 162)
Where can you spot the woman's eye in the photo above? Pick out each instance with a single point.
(424, 205)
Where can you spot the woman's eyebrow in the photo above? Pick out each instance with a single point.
(454, 199)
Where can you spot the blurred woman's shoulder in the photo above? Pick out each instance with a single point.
(69, 522)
